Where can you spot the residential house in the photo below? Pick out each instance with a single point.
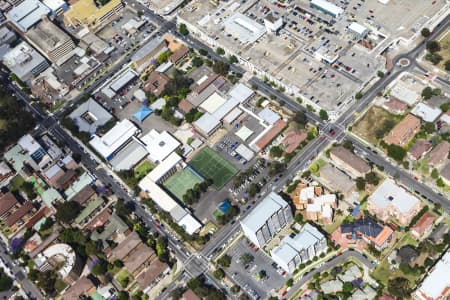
(154, 273)
(404, 131)
(439, 154)
(53, 174)
(366, 229)
(8, 204)
(292, 139)
(423, 226)
(67, 179)
(346, 160)
(445, 174)
(139, 258)
(20, 216)
(392, 201)
(156, 83)
(82, 287)
(419, 149)
(85, 195)
(179, 54)
(6, 174)
(190, 295)
(318, 207)
(407, 255)
(395, 106)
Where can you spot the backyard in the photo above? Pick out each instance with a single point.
(375, 124)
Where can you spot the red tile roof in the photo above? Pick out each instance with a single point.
(7, 201)
(19, 214)
(292, 139)
(271, 134)
(423, 223)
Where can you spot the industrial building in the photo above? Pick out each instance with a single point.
(293, 251)
(266, 219)
(327, 8)
(25, 62)
(27, 13)
(85, 13)
(51, 41)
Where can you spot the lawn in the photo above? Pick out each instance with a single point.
(373, 121)
(211, 165)
(316, 165)
(124, 278)
(16, 183)
(143, 169)
(182, 181)
(444, 41)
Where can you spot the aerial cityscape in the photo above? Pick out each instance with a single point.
(225, 149)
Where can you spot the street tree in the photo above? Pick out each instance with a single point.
(425, 32)
(433, 46)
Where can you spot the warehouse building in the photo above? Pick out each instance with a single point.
(327, 8)
(266, 219)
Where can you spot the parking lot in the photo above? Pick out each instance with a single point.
(258, 277)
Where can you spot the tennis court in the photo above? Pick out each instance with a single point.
(182, 181)
(211, 165)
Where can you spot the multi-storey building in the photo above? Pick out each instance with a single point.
(304, 246)
(51, 41)
(266, 219)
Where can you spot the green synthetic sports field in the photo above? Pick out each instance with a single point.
(181, 181)
(211, 165)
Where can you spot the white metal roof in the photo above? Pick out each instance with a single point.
(269, 115)
(159, 145)
(52, 171)
(54, 5)
(426, 112)
(244, 133)
(358, 28)
(165, 166)
(27, 142)
(328, 6)
(390, 193)
(157, 194)
(27, 13)
(190, 224)
(129, 156)
(114, 138)
(244, 28)
(225, 108)
(241, 92)
(207, 123)
(403, 93)
(140, 95)
(123, 80)
(233, 115)
(245, 152)
(263, 211)
(213, 103)
(437, 281)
